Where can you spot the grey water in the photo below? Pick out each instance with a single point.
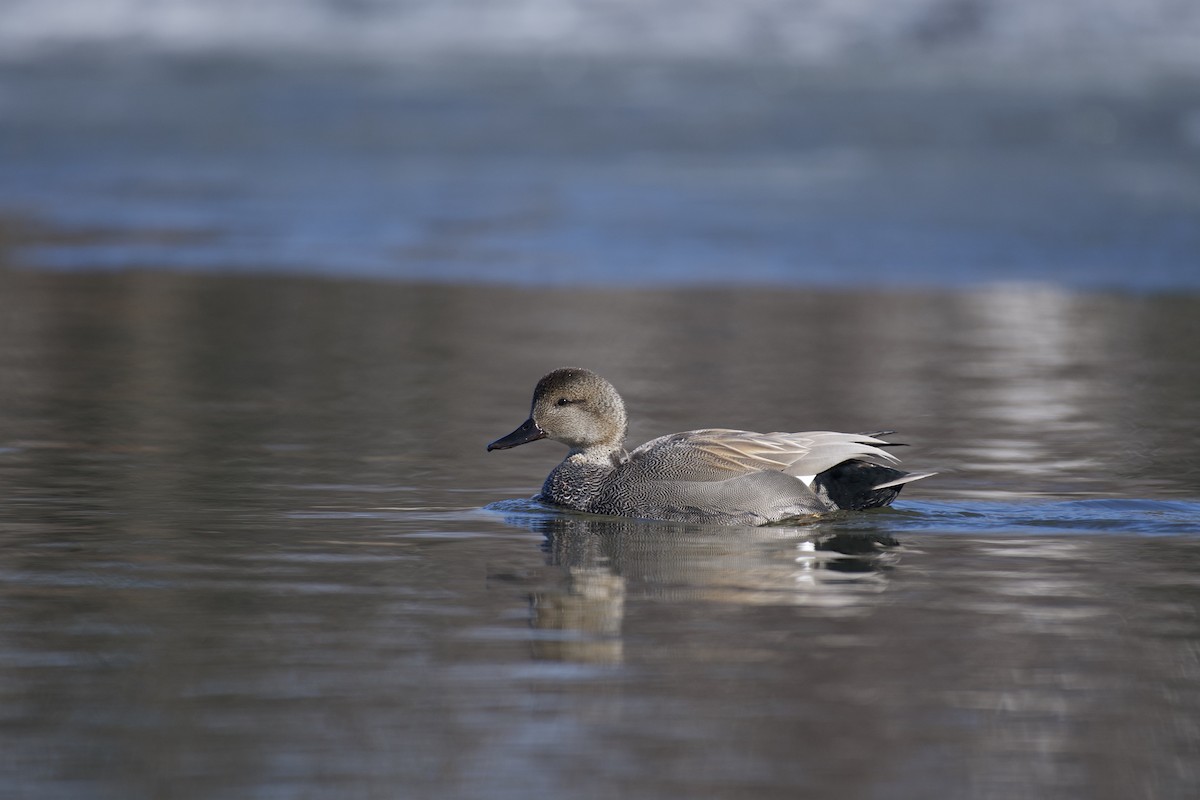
(253, 546)
(272, 275)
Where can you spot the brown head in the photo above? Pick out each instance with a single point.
(574, 406)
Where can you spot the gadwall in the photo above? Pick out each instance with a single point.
(713, 475)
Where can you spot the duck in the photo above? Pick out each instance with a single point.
(710, 476)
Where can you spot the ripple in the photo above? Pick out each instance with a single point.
(1144, 517)
(1088, 516)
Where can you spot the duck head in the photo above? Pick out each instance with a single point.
(574, 406)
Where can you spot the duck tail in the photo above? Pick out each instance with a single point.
(856, 485)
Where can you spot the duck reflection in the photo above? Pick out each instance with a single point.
(837, 567)
(586, 612)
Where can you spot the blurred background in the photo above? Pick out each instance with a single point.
(912, 142)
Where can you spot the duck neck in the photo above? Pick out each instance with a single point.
(607, 454)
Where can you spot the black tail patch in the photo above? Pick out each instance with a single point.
(851, 485)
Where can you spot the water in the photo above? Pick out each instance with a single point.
(270, 280)
(1152, 34)
(253, 546)
(588, 172)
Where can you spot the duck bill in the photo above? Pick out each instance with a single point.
(528, 432)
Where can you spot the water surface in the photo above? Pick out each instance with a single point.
(641, 171)
(252, 543)
(253, 546)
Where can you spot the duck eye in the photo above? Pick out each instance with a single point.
(562, 401)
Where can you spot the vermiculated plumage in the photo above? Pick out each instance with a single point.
(714, 475)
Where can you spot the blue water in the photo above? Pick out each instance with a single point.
(597, 173)
(965, 517)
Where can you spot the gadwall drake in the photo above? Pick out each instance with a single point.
(713, 475)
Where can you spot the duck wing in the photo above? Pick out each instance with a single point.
(717, 454)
